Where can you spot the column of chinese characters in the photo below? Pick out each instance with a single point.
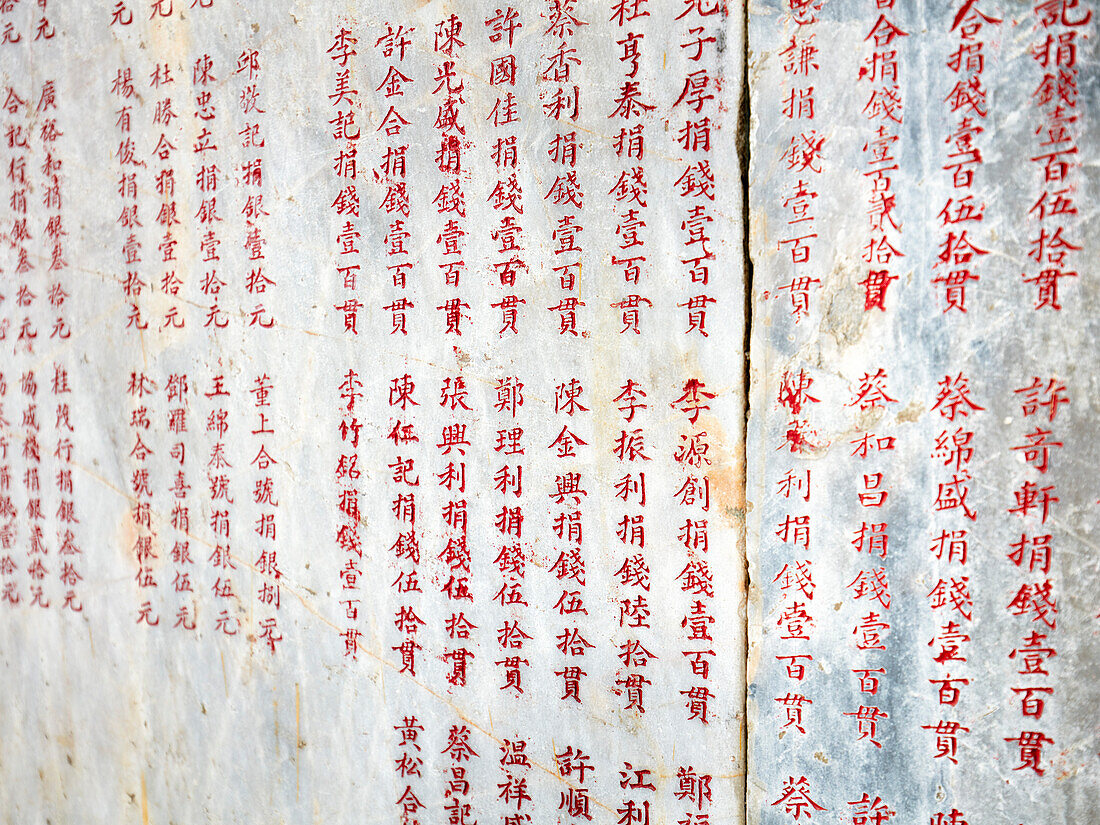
(629, 449)
(140, 387)
(795, 578)
(513, 791)
(122, 89)
(457, 790)
(37, 546)
(1033, 598)
(949, 598)
(966, 104)
(573, 765)
(67, 547)
(870, 586)
(884, 113)
(409, 769)
(803, 155)
(696, 105)
(220, 502)
(450, 200)
(870, 810)
(693, 792)
(177, 389)
(513, 555)
(506, 196)
(513, 550)
(404, 479)
(630, 192)
(695, 579)
(347, 474)
(19, 333)
(1057, 26)
(11, 35)
(344, 98)
(164, 180)
(637, 785)
(561, 104)
(264, 502)
(391, 172)
(567, 524)
(257, 282)
(455, 555)
(205, 151)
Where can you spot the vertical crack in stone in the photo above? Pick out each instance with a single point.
(743, 150)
